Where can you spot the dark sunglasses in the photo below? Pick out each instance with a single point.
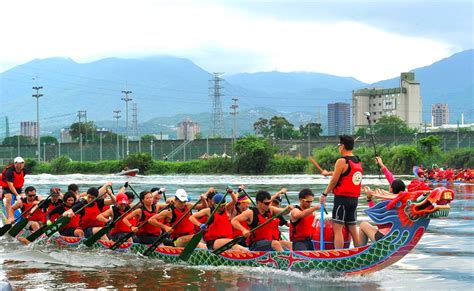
(308, 201)
(267, 203)
(34, 195)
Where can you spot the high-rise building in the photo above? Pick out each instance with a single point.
(188, 130)
(29, 128)
(65, 135)
(404, 102)
(339, 118)
(440, 114)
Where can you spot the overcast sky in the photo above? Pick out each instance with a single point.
(368, 40)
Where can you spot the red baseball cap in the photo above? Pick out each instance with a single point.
(122, 198)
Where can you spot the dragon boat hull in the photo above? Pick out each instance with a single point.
(353, 261)
(409, 215)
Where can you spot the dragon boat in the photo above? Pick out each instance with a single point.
(409, 214)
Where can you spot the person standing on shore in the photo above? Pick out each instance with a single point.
(346, 185)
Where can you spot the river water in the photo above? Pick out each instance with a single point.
(443, 259)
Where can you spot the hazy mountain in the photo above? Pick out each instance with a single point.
(168, 89)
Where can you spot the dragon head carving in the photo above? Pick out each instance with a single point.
(409, 207)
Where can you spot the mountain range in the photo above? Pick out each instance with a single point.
(168, 89)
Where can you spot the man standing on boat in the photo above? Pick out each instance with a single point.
(346, 182)
(13, 179)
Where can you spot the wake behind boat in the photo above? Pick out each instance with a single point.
(409, 214)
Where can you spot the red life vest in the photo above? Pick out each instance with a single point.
(73, 222)
(148, 229)
(36, 216)
(219, 227)
(119, 225)
(50, 207)
(185, 227)
(302, 228)
(266, 232)
(89, 218)
(18, 178)
(350, 182)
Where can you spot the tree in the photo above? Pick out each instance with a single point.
(391, 125)
(253, 155)
(148, 138)
(88, 130)
(314, 128)
(261, 127)
(281, 128)
(48, 140)
(430, 143)
(13, 140)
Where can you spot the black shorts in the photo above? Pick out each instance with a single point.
(67, 232)
(117, 236)
(262, 246)
(378, 235)
(7, 190)
(303, 245)
(210, 244)
(345, 210)
(146, 239)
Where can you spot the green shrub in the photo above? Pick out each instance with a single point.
(220, 166)
(403, 158)
(112, 166)
(253, 155)
(59, 165)
(459, 158)
(142, 161)
(286, 165)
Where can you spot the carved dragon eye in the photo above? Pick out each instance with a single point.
(420, 198)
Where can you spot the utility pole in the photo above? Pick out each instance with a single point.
(234, 113)
(37, 96)
(127, 99)
(81, 114)
(309, 138)
(117, 116)
(135, 125)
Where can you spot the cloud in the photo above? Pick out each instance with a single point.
(216, 37)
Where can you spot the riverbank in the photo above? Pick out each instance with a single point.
(400, 159)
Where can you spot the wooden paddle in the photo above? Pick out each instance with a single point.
(130, 234)
(241, 237)
(313, 161)
(61, 221)
(108, 227)
(24, 220)
(194, 241)
(162, 237)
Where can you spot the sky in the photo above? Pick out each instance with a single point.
(367, 40)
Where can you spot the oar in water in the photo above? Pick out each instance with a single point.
(163, 236)
(130, 234)
(4, 229)
(241, 237)
(58, 223)
(108, 227)
(194, 241)
(24, 220)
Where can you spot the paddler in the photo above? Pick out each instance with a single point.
(183, 231)
(67, 209)
(89, 222)
(35, 221)
(218, 231)
(261, 239)
(120, 229)
(148, 233)
(302, 218)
